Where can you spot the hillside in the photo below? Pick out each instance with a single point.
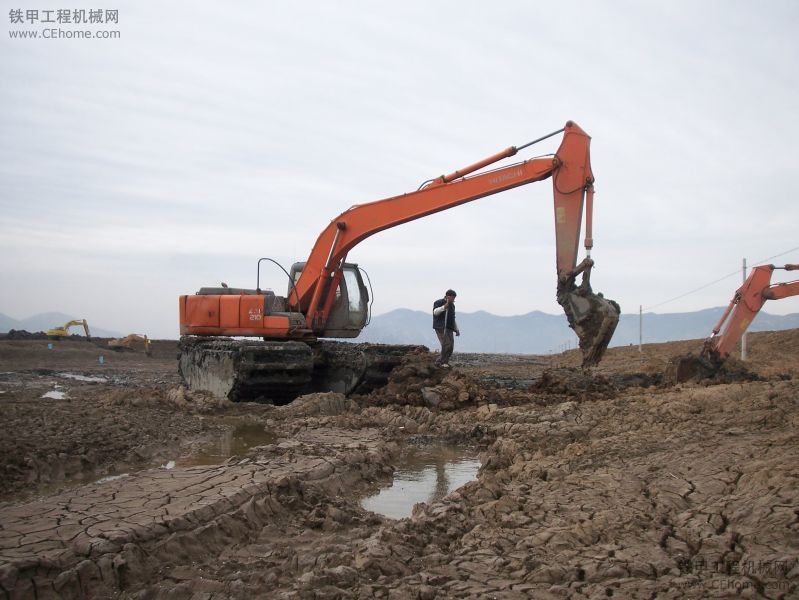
(541, 333)
(533, 333)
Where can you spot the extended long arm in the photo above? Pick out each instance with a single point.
(744, 306)
(570, 169)
(77, 322)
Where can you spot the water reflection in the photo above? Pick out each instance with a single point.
(236, 441)
(424, 474)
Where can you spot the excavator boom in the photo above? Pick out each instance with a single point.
(744, 306)
(570, 169)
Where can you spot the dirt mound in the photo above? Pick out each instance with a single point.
(575, 383)
(419, 382)
(690, 367)
(21, 334)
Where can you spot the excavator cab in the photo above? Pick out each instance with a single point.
(350, 311)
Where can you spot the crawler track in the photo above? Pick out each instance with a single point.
(276, 372)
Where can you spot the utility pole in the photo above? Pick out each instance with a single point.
(743, 337)
(640, 328)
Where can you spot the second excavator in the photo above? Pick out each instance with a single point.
(129, 342)
(58, 333)
(327, 298)
(741, 311)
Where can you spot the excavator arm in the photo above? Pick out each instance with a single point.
(593, 319)
(744, 306)
(572, 181)
(64, 331)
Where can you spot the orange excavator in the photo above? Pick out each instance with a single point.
(744, 306)
(327, 298)
(741, 311)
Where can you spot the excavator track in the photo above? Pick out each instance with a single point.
(277, 372)
(357, 368)
(243, 370)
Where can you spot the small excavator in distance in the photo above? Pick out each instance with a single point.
(129, 342)
(327, 298)
(58, 333)
(741, 311)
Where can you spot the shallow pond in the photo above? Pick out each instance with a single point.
(236, 441)
(424, 474)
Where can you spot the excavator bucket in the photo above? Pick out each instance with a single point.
(681, 369)
(592, 317)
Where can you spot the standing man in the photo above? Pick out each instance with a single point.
(445, 325)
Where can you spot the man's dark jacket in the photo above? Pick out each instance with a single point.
(449, 315)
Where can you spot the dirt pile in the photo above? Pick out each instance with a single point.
(22, 334)
(419, 382)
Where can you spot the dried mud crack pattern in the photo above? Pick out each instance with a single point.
(99, 539)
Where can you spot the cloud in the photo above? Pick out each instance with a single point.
(209, 135)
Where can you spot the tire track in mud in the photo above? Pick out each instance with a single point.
(99, 539)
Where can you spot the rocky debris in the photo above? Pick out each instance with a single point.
(185, 399)
(575, 383)
(419, 382)
(317, 404)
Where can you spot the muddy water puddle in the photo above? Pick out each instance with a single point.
(237, 440)
(424, 474)
(84, 378)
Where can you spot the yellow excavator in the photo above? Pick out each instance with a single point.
(128, 342)
(61, 332)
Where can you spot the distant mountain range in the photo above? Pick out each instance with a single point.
(45, 321)
(533, 333)
(542, 333)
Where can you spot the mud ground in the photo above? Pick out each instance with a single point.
(613, 483)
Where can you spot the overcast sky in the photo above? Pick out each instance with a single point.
(209, 134)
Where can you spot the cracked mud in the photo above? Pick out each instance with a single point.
(613, 483)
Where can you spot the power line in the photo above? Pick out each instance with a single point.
(707, 285)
